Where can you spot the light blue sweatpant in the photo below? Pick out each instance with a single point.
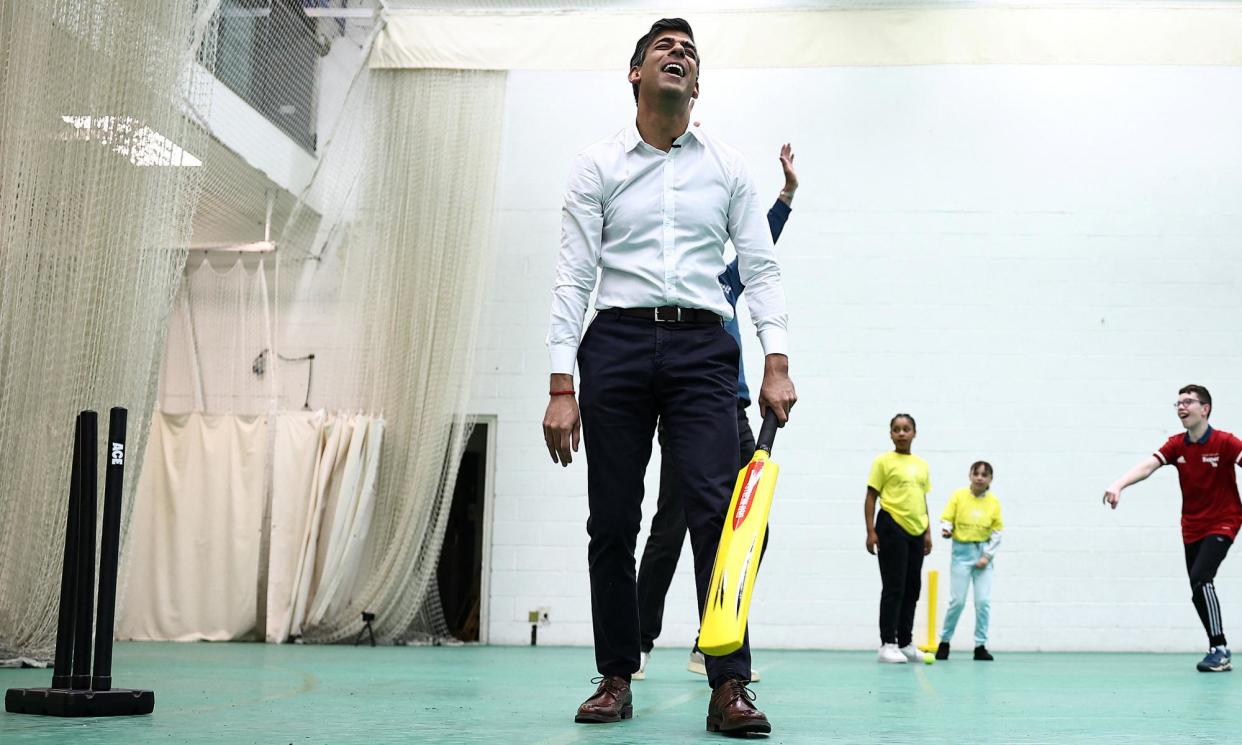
(963, 571)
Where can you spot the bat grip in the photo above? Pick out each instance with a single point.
(767, 433)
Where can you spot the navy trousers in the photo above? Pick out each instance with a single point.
(635, 372)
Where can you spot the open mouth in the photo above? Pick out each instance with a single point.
(674, 68)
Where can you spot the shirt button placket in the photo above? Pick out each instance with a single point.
(670, 255)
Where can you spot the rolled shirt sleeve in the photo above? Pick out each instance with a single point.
(760, 273)
(582, 229)
(998, 528)
(993, 544)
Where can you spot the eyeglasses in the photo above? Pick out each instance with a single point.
(1186, 403)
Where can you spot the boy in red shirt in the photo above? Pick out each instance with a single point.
(1211, 511)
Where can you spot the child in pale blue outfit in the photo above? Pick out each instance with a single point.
(973, 520)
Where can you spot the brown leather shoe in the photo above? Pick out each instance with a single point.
(611, 702)
(732, 712)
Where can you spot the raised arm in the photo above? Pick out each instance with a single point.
(1145, 468)
(778, 214)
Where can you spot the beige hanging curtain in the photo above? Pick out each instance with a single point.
(194, 558)
(325, 477)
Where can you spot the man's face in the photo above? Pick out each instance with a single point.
(671, 66)
(1191, 410)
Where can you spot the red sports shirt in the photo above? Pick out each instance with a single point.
(1210, 504)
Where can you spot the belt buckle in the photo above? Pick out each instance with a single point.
(677, 319)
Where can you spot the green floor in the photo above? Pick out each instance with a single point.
(255, 693)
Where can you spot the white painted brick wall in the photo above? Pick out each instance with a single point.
(1031, 260)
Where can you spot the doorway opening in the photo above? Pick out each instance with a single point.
(459, 574)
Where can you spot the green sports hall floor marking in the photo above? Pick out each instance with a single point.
(257, 693)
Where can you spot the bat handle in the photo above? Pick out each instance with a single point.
(767, 433)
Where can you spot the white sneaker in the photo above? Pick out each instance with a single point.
(889, 653)
(912, 653)
(642, 666)
(698, 665)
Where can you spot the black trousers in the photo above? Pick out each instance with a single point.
(635, 372)
(901, 572)
(1203, 558)
(668, 533)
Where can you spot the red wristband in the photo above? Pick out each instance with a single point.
(569, 392)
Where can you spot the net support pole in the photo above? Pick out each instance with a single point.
(66, 613)
(85, 610)
(109, 549)
(933, 580)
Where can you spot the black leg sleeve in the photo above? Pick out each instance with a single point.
(1203, 559)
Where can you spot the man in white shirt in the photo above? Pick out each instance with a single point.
(650, 210)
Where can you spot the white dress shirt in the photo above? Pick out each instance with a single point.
(653, 225)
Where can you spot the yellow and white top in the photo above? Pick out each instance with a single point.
(973, 519)
(903, 482)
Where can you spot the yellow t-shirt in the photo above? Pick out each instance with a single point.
(903, 483)
(974, 518)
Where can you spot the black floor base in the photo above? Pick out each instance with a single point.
(62, 702)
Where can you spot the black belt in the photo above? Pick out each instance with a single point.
(671, 314)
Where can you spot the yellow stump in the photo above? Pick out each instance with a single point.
(933, 577)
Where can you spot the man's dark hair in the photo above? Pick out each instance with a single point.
(644, 41)
(1202, 393)
(893, 421)
(987, 467)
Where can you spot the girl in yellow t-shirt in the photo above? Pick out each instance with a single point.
(973, 520)
(900, 536)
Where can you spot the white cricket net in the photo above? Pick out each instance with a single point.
(378, 272)
(118, 154)
(400, 256)
(101, 174)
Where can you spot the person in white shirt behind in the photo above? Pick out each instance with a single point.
(648, 212)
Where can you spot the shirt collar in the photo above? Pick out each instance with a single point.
(630, 137)
(692, 132)
(1206, 434)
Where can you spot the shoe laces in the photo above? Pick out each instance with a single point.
(607, 681)
(741, 688)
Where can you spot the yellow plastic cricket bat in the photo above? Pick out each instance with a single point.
(741, 543)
